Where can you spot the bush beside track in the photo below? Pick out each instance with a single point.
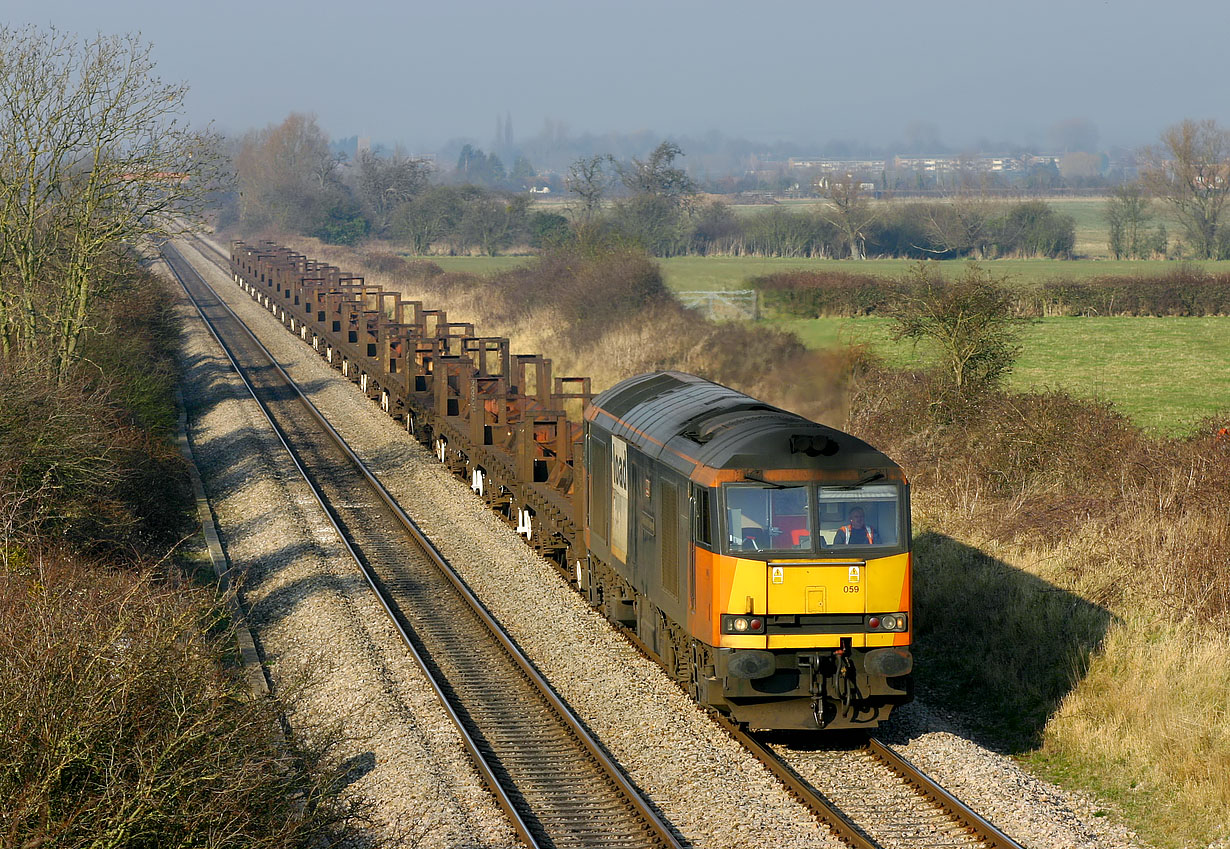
(124, 721)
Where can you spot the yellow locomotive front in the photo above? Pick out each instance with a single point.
(809, 616)
(764, 558)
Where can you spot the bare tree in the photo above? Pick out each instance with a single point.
(963, 224)
(287, 174)
(387, 182)
(428, 217)
(1128, 214)
(93, 153)
(491, 221)
(850, 213)
(590, 178)
(1190, 171)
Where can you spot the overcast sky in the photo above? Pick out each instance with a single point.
(421, 73)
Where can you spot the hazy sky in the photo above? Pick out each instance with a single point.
(421, 73)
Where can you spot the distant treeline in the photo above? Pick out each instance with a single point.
(1185, 291)
(940, 230)
(289, 179)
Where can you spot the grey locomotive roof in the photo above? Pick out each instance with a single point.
(683, 420)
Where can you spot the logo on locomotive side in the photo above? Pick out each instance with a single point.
(619, 471)
(619, 498)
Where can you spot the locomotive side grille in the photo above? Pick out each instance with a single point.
(670, 538)
(599, 490)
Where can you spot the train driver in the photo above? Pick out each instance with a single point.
(856, 530)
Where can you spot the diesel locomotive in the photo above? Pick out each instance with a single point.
(762, 558)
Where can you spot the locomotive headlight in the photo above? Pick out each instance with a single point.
(887, 622)
(736, 623)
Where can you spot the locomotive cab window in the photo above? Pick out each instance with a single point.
(866, 515)
(701, 519)
(763, 518)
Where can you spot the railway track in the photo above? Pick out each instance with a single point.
(552, 778)
(872, 796)
(868, 794)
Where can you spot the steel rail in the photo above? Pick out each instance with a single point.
(820, 805)
(976, 826)
(958, 810)
(661, 831)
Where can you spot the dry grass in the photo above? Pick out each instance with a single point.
(1149, 727)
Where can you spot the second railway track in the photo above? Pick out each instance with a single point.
(553, 779)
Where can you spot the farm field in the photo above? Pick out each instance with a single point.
(1166, 374)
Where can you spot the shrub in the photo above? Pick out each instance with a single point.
(121, 729)
(384, 262)
(968, 321)
(548, 230)
(652, 223)
(588, 288)
(1033, 228)
(90, 460)
(812, 294)
(789, 234)
(714, 229)
(342, 223)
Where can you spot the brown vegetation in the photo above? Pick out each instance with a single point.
(88, 461)
(606, 314)
(121, 729)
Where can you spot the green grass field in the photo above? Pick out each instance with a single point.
(476, 264)
(1166, 374)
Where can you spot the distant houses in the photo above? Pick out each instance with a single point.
(976, 163)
